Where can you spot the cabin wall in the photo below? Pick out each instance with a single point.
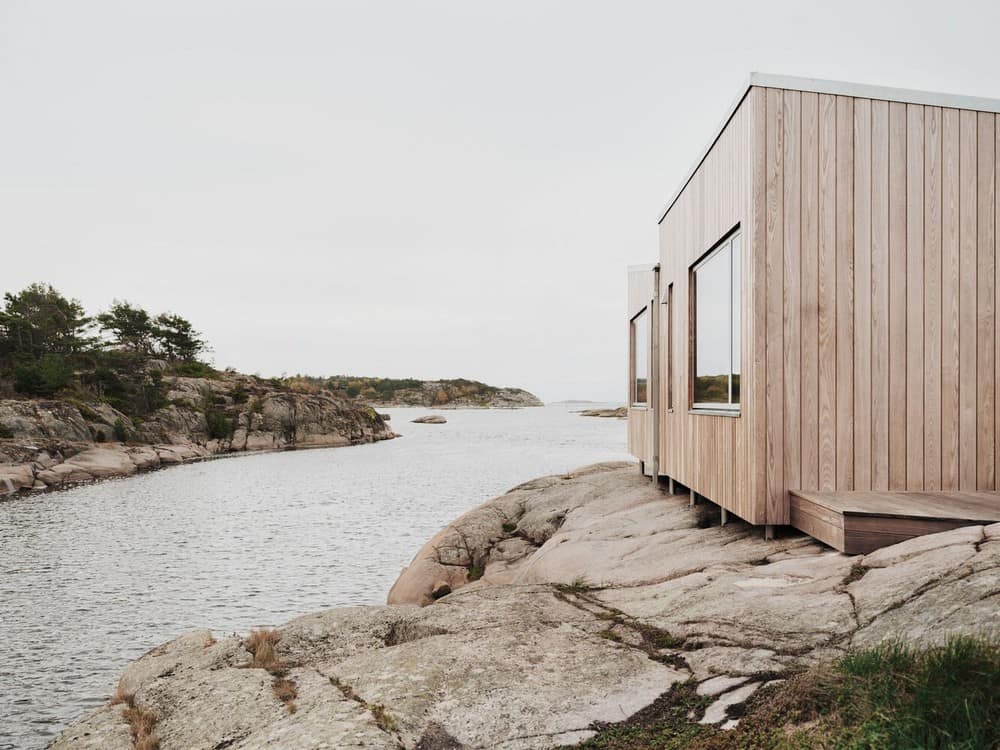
(881, 312)
(642, 419)
(720, 457)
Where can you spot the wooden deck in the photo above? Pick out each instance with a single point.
(858, 522)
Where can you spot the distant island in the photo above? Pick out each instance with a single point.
(619, 412)
(457, 393)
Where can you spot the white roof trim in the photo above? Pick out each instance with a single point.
(643, 267)
(841, 88)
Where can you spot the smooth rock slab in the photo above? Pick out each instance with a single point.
(522, 664)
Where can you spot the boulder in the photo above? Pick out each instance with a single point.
(103, 462)
(430, 419)
(14, 477)
(65, 473)
(42, 420)
(144, 457)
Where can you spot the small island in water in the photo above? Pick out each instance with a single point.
(456, 393)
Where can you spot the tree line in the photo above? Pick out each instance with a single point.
(49, 344)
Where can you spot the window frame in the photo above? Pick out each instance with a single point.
(735, 317)
(668, 303)
(633, 370)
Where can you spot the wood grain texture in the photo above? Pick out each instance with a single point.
(791, 313)
(844, 313)
(898, 397)
(986, 290)
(914, 431)
(870, 322)
(967, 307)
(862, 294)
(827, 292)
(809, 291)
(880, 294)
(950, 283)
(774, 255)
(932, 298)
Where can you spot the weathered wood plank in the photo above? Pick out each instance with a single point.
(932, 298)
(827, 292)
(897, 296)
(862, 294)
(880, 294)
(914, 297)
(985, 280)
(775, 324)
(809, 291)
(792, 313)
(845, 292)
(968, 335)
(950, 286)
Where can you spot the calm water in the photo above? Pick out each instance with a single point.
(92, 577)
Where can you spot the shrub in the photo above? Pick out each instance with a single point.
(220, 426)
(239, 394)
(194, 369)
(42, 377)
(121, 430)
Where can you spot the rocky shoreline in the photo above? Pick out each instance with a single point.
(563, 606)
(50, 443)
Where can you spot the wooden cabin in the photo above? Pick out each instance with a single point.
(817, 346)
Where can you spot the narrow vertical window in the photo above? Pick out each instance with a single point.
(640, 357)
(715, 287)
(669, 318)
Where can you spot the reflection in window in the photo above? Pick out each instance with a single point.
(640, 357)
(669, 317)
(716, 288)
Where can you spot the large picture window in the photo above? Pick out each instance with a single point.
(716, 326)
(639, 345)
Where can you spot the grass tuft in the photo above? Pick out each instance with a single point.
(383, 719)
(142, 722)
(890, 697)
(578, 585)
(286, 691)
(263, 645)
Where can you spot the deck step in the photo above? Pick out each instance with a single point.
(858, 522)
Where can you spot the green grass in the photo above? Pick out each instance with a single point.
(579, 585)
(891, 697)
(894, 696)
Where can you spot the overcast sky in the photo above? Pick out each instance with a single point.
(428, 189)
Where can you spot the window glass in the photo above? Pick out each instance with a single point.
(640, 357)
(737, 321)
(669, 317)
(717, 328)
